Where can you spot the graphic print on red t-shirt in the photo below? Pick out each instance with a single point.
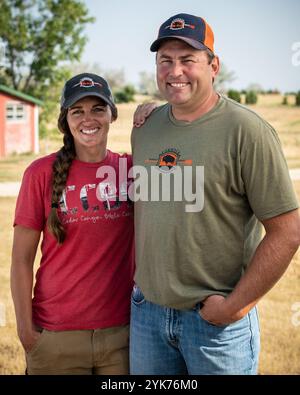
(85, 283)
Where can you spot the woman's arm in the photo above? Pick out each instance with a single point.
(142, 112)
(23, 254)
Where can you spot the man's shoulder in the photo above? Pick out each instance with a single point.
(240, 114)
(239, 108)
(157, 117)
(160, 111)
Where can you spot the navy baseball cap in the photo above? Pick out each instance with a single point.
(87, 84)
(192, 29)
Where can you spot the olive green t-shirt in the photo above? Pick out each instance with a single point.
(185, 250)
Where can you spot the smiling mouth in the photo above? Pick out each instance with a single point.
(178, 84)
(89, 131)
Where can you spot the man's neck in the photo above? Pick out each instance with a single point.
(188, 114)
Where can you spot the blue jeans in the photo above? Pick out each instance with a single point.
(167, 341)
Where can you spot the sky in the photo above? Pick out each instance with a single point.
(259, 39)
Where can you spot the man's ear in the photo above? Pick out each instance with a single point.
(215, 66)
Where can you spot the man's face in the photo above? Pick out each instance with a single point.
(184, 75)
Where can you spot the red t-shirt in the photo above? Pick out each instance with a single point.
(86, 282)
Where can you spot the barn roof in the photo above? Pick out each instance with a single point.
(21, 95)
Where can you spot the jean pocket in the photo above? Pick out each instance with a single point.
(137, 296)
(209, 323)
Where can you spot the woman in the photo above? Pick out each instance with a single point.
(77, 321)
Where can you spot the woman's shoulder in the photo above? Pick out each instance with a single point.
(41, 165)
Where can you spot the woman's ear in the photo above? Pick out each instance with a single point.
(112, 118)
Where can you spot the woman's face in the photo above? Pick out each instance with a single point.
(89, 120)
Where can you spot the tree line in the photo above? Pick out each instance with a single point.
(42, 42)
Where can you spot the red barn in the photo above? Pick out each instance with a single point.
(19, 122)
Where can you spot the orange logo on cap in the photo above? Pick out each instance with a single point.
(87, 82)
(178, 24)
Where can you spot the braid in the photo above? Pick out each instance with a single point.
(60, 169)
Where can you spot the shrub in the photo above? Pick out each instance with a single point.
(234, 95)
(251, 97)
(285, 101)
(125, 95)
(297, 103)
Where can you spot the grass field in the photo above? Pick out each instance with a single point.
(285, 119)
(280, 331)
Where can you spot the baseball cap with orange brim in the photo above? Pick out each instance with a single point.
(192, 29)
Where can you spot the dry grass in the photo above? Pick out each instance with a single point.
(285, 119)
(11, 355)
(12, 168)
(280, 338)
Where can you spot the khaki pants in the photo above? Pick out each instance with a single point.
(99, 351)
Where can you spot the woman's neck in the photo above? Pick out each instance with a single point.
(91, 155)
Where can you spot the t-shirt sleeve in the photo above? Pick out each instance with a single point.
(30, 202)
(265, 174)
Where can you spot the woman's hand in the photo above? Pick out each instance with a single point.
(29, 339)
(142, 112)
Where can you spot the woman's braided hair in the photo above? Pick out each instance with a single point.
(60, 167)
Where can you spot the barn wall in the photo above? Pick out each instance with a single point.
(2, 125)
(17, 136)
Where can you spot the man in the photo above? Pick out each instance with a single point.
(202, 267)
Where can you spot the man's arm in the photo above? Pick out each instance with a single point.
(268, 264)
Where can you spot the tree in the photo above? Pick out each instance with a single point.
(297, 101)
(39, 35)
(257, 88)
(115, 78)
(234, 95)
(251, 97)
(147, 83)
(224, 76)
(78, 68)
(125, 95)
